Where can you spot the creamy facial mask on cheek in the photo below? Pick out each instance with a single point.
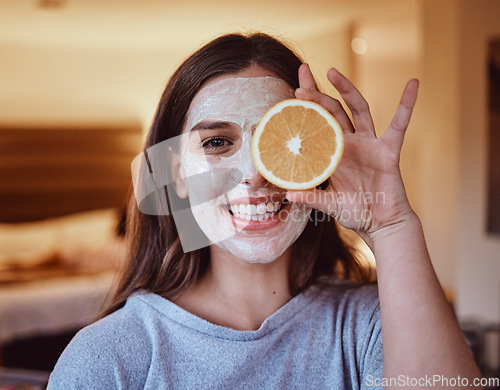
(241, 102)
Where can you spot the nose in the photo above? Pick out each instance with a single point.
(251, 176)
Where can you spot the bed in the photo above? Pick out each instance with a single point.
(63, 192)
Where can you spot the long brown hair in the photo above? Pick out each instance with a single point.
(156, 260)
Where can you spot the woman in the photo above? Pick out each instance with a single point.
(260, 307)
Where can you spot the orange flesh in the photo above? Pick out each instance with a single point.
(316, 148)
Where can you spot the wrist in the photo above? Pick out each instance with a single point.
(408, 221)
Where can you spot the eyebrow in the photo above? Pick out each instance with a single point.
(211, 125)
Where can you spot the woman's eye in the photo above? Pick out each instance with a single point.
(216, 144)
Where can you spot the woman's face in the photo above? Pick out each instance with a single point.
(237, 209)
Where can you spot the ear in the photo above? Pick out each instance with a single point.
(178, 177)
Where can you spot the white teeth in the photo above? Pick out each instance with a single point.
(254, 212)
(262, 208)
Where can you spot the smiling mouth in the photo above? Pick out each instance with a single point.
(256, 212)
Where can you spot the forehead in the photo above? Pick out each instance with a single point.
(238, 98)
(263, 87)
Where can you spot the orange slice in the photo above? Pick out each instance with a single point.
(297, 145)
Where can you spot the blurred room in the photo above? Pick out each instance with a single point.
(79, 84)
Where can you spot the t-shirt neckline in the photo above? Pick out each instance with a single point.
(185, 318)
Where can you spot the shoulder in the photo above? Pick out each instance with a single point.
(112, 352)
(362, 298)
(348, 297)
(355, 308)
(360, 308)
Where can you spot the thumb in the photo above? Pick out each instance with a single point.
(325, 201)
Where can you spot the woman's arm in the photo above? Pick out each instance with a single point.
(421, 336)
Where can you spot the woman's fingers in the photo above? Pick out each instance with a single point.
(360, 110)
(394, 135)
(308, 91)
(306, 79)
(333, 106)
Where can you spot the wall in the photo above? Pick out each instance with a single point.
(44, 83)
(445, 152)
(76, 85)
(329, 48)
(437, 121)
(453, 152)
(478, 293)
(392, 58)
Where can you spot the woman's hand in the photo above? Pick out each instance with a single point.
(366, 192)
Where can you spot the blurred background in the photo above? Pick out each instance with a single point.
(79, 84)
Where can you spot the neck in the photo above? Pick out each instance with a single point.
(237, 294)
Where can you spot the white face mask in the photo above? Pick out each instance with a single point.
(245, 220)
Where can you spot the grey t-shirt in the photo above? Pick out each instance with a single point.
(320, 339)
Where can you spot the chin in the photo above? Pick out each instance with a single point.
(253, 255)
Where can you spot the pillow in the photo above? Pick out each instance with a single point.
(31, 242)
